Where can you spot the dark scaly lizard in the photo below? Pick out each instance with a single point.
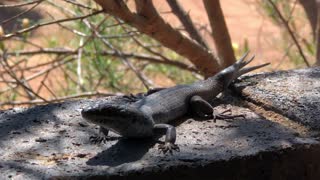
(139, 116)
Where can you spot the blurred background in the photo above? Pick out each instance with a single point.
(55, 50)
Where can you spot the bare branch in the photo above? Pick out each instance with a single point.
(317, 33)
(185, 19)
(286, 24)
(21, 13)
(220, 32)
(142, 57)
(17, 80)
(147, 83)
(148, 21)
(19, 5)
(78, 4)
(64, 98)
(310, 8)
(45, 24)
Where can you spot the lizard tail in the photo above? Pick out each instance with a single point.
(237, 69)
(242, 63)
(248, 69)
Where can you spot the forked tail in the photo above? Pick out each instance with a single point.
(237, 69)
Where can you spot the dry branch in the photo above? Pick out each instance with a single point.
(286, 24)
(317, 33)
(36, 26)
(20, 14)
(148, 21)
(64, 98)
(220, 32)
(19, 4)
(185, 19)
(310, 7)
(141, 57)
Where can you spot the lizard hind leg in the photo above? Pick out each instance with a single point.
(204, 109)
(201, 107)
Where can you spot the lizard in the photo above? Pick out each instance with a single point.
(141, 116)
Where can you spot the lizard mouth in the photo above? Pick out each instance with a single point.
(87, 113)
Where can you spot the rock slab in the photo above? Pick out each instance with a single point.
(294, 94)
(52, 141)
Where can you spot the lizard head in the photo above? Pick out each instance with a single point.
(234, 71)
(121, 119)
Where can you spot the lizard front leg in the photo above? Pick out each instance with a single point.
(204, 109)
(170, 139)
(102, 137)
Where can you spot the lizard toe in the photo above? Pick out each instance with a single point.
(100, 139)
(168, 147)
(95, 139)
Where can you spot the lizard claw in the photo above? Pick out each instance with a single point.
(227, 111)
(168, 147)
(227, 114)
(96, 139)
(100, 139)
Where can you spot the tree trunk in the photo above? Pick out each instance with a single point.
(220, 32)
(318, 35)
(310, 8)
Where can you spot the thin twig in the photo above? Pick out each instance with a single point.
(286, 24)
(21, 13)
(142, 57)
(165, 59)
(79, 66)
(78, 4)
(38, 101)
(46, 24)
(33, 76)
(18, 5)
(6, 66)
(185, 19)
(146, 82)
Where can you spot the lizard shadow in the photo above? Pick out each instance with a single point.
(127, 150)
(124, 151)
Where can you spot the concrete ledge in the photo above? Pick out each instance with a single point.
(52, 141)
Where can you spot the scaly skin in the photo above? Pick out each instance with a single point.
(154, 110)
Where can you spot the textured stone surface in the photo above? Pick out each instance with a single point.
(294, 94)
(53, 141)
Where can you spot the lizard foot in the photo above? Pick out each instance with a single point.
(100, 139)
(226, 115)
(168, 147)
